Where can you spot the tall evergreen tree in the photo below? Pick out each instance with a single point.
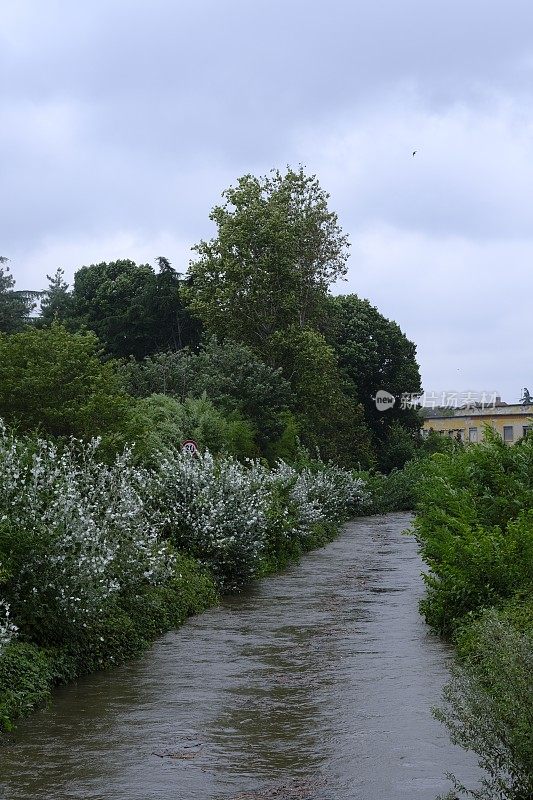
(57, 302)
(15, 306)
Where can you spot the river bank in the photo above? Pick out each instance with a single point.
(97, 559)
(314, 683)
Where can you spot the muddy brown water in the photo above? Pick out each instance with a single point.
(316, 684)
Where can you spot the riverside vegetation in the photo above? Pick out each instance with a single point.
(100, 558)
(109, 535)
(475, 526)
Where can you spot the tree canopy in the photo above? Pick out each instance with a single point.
(252, 329)
(278, 247)
(329, 420)
(229, 373)
(54, 381)
(57, 303)
(374, 354)
(132, 309)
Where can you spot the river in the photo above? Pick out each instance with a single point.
(315, 684)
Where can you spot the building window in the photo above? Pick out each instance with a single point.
(507, 433)
(472, 434)
(525, 429)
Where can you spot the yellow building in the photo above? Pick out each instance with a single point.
(510, 421)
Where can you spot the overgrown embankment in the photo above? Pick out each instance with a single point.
(475, 525)
(98, 559)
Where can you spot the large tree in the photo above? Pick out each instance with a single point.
(329, 420)
(374, 354)
(277, 249)
(132, 309)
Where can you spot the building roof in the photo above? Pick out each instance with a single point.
(476, 411)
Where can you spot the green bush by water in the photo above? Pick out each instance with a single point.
(29, 672)
(475, 528)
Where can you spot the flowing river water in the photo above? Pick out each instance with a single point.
(315, 684)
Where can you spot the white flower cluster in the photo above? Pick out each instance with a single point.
(7, 629)
(319, 495)
(77, 532)
(332, 489)
(79, 527)
(220, 510)
(215, 509)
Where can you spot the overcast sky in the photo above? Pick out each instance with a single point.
(123, 120)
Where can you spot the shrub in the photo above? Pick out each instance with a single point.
(26, 676)
(473, 568)
(489, 707)
(234, 379)
(161, 423)
(73, 534)
(134, 620)
(215, 511)
(54, 381)
(397, 491)
(333, 492)
(7, 628)
(223, 512)
(28, 672)
(399, 446)
(475, 526)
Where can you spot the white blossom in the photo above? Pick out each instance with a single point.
(7, 629)
(98, 530)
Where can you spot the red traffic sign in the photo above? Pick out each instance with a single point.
(190, 446)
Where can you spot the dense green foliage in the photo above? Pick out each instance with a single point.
(328, 419)
(489, 706)
(278, 247)
(57, 302)
(132, 309)
(56, 382)
(375, 354)
(475, 526)
(279, 352)
(234, 379)
(160, 423)
(263, 280)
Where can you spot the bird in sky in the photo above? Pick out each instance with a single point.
(414, 153)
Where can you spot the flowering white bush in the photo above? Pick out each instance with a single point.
(335, 491)
(7, 629)
(324, 494)
(76, 532)
(220, 510)
(215, 509)
(76, 529)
